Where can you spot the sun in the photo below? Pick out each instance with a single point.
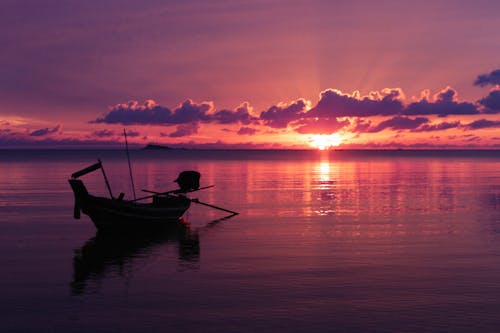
(323, 142)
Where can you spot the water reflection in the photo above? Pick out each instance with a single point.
(386, 188)
(324, 183)
(109, 254)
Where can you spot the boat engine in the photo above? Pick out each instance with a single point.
(188, 181)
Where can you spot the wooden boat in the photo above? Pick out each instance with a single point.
(114, 213)
(117, 213)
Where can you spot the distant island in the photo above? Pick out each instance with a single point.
(152, 146)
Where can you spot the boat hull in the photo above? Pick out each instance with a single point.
(115, 214)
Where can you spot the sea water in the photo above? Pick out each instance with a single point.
(336, 241)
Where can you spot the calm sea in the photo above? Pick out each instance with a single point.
(339, 241)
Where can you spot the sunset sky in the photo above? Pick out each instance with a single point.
(250, 74)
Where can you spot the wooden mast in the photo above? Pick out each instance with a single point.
(129, 165)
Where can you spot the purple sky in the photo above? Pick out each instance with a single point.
(250, 72)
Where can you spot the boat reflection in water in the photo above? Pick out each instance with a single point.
(109, 254)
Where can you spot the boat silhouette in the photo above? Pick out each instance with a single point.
(115, 213)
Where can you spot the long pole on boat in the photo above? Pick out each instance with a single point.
(213, 206)
(129, 165)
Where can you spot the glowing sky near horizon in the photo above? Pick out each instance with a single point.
(250, 74)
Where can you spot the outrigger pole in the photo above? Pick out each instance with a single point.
(213, 206)
(169, 192)
(129, 165)
(192, 200)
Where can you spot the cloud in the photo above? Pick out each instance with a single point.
(396, 123)
(399, 123)
(242, 115)
(493, 78)
(361, 125)
(46, 131)
(185, 130)
(445, 103)
(334, 111)
(437, 127)
(24, 139)
(473, 139)
(151, 113)
(483, 123)
(133, 134)
(133, 113)
(447, 94)
(190, 112)
(322, 118)
(247, 131)
(334, 103)
(105, 133)
(320, 126)
(491, 102)
(279, 116)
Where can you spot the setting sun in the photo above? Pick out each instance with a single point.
(323, 142)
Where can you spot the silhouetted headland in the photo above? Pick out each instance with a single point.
(152, 146)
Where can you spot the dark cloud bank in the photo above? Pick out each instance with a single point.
(186, 117)
(492, 78)
(46, 131)
(334, 110)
